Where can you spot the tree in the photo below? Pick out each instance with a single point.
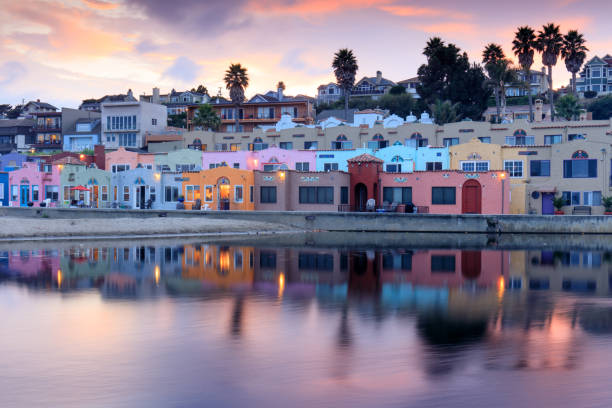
(397, 90)
(179, 120)
(523, 45)
(444, 112)
(345, 68)
(549, 44)
(400, 105)
(236, 80)
(206, 118)
(574, 54)
(14, 113)
(601, 108)
(491, 58)
(200, 89)
(4, 108)
(567, 107)
(280, 85)
(448, 75)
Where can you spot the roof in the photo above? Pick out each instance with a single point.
(42, 105)
(69, 160)
(326, 85)
(336, 113)
(272, 97)
(374, 80)
(17, 122)
(365, 158)
(369, 111)
(405, 81)
(110, 98)
(163, 138)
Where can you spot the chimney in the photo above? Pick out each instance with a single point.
(129, 93)
(378, 77)
(38, 100)
(280, 93)
(155, 97)
(539, 108)
(100, 157)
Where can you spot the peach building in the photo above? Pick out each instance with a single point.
(269, 159)
(122, 159)
(220, 188)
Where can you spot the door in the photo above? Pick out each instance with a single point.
(547, 204)
(140, 197)
(471, 194)
(361, 197)
(25, 195)
(471, 264)
(224, 197)
(94, 202)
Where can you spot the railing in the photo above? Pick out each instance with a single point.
(367, 92)
(400, 208)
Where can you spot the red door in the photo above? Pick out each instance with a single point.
(471, 264)
(471, 202)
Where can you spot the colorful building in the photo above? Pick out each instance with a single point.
(221, 188)
(179, 160)
(4, 189)
(134, 188)
(30, 185)
(96, 183)
(122, 160)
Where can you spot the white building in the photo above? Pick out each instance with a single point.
(124, 124)
(329, 93)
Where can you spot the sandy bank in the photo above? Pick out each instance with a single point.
(43, 227)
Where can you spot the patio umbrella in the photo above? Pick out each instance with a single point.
(80, 188)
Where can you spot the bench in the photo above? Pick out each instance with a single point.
(581, 210)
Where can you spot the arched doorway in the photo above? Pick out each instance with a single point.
(471, 202)
(223, 192)
(471, 264)
(361, 197)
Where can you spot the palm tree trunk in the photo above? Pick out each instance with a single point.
(496, 90)
(574, 84)
(237, 120)
(527, 75)
(346, 98)
(502, 97)
(550, 94)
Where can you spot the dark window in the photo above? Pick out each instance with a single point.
(310, 145)
(268, 195)
(172, 193)
(251, 193)
(394, 168)
(580, 168)
(400, 195)
(344, 195)
(443, 263)
(286, 145)
(540, 168)
(267, 259)
(434, 166)
(316, 195)
(315, 262)
(443, 195)
(397, 261)
(450, 141)
(330, 166)
(485, 139)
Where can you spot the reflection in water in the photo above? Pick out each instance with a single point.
(313, 317)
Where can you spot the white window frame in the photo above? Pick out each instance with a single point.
(475, 163)
(514, 169)
(235, 195)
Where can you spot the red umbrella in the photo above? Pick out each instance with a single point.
(80, 188)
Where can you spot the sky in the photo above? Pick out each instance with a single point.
(63, 51)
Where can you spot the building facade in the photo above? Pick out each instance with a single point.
(372, 87)
(596, 76)
(125, 124)
(80, 129)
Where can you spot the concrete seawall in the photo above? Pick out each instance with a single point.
(347, 222)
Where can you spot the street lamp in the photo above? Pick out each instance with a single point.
(502, 176)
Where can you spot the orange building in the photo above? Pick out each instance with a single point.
(222, 188)
(218, 266)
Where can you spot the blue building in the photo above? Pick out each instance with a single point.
(328, 160)
(4, 189)
(13, 161)
(84, 135)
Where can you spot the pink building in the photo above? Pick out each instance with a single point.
(121, 160)
(28, 263)
(30, 185)
(271, 159)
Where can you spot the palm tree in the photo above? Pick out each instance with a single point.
(280, 85)
(491, 57)
(568, 107)
(574, 54)
(549, 44)
(524, 47)
(345, 68)
(236, 80)
(206, 118)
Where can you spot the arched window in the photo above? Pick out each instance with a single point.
(341, 138)
(273, 159)
(416, 135)
(223, 180)
(197, 141)
(417, 140)
(580, 154)
(257, 144)
(397, 159)
(257, 140)
(378, 142)
(520, 132)
(378, 136)
(397, 143)
(341, 142)
(520, 138)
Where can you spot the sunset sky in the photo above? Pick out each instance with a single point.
(63, 51)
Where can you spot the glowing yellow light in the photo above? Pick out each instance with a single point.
(60, 167)
(281, 175)
(255, 161)
(224, 260)
(501, 286)
(59, 278)
(82, 157)
(281, 284)
(157, 176)
(502, 175)
(157, 274)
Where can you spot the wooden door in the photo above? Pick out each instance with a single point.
(471, 194)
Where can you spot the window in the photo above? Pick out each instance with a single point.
(126, 193)
(539, 168)
(114, 193)
(575, 136)
(104, 193)
(47, 168)
(267, 259)
(592, 198)
(395, 261)
(315, 262)
(400, 195)
(571, 197)
(238, 194)
(344, 195)
(430, 166)
(485, 139)
(443, 195)
(267, 195)
(286, 145)
(450, 141)
(251, 188)
(14, 193)
(234, 147)
(311, 145)
(152, 194)
(302, 166)
(443, 263)
(552, 139)
(341, 142)
(171, 193)
(116, 168)
(52, 193)
(330, 166)
(154, 122)
(208, 193)
(475, 166)
(192, 193)
(580, 168)
(35, 193)
(514, 168)
(236, 165)
(520, 138)
(316, 195)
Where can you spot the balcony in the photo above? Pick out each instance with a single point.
(367, 92)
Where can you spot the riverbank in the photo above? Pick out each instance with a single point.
(47, 228)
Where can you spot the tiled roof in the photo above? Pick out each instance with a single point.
(366, 111)
(365, 158)
(163, 138)
(69, 160)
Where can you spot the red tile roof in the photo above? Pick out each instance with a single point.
(365, 158)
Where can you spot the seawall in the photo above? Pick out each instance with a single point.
(349, 222)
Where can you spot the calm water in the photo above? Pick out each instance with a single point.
(198, 324)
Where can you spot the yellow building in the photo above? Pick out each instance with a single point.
(222, 188)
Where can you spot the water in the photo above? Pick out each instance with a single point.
(351, 324)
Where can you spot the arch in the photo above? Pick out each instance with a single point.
(222, 180)
(520, 132)
(223, 164)
(361, 196)
(471, 197)
(378, 136)
(397, 143)
(273, 159)
(416, 135)
(580, 154)
(257, 140)
(397, 159)
(341, 138)
(197, 141)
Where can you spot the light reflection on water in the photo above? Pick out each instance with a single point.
(219, 325)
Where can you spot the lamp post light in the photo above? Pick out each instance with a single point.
(502, 176)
